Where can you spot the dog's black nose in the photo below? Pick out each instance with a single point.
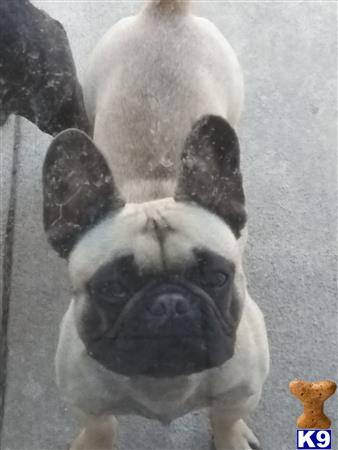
(170, 305)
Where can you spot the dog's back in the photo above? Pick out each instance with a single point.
(150, 78)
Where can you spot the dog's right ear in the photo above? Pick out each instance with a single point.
(210, 173)
(78, 189)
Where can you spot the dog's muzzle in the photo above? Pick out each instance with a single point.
(167, 330)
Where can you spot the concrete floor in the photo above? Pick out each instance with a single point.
(288, 136)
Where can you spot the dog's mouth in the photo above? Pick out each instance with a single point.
(161, 358)
(168, 331)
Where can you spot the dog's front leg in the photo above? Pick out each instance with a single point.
(99, 433)
(231, 432)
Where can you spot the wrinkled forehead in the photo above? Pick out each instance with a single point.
(160, 234)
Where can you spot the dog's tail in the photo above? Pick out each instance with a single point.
(170, 6)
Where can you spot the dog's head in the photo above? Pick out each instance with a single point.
(158, 286)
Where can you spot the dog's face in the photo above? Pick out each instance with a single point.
(158, 290)
(158, 286)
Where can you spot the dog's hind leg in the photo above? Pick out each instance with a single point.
(99, 433)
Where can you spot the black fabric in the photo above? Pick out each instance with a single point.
(37, 72)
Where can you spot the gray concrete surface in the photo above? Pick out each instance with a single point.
(288, 136)
(6, 160)
(9, 135)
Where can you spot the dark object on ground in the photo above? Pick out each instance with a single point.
(37, 72)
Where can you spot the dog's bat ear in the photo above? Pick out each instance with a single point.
(78, 189)
(210, 171)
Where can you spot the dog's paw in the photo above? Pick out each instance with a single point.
(237, 437)
(82, 442)
(97, 435)
(255, 446)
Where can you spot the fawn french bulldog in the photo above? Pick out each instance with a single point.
(150, 216)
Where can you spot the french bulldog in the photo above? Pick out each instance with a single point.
(150, 216)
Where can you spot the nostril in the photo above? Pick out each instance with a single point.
(181, 306)
(158, 308)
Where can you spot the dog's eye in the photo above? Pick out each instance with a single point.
(216, 280)
(111, 289)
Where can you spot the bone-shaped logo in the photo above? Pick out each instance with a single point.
(313, 396)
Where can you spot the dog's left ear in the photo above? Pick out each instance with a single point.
(210, 171)
(78, 189)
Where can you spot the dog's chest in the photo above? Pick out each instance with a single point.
(99, 392)
(154, 399)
